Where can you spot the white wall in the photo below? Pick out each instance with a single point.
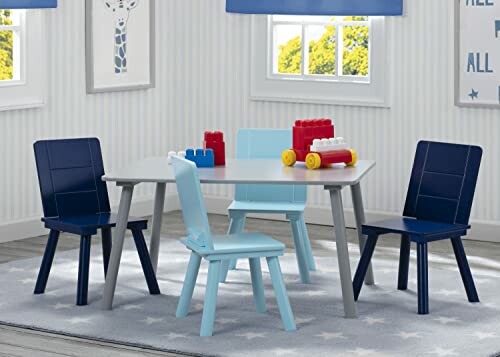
(203, 83)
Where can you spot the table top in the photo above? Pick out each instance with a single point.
(157, 170)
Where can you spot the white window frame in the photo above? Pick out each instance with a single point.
(373, 90)
(27, 88)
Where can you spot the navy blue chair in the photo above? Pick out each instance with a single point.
(75, 200)
(438, 205)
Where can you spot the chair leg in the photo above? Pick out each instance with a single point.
(281, 295)
(147, 266)
(404, 262)
(207, 320)
(83, 271)
(224, 270)
(307, 245)
(106, 247)
(48, 258)
(236, 225)
(300, 249)
(257, 285)
(465, 272)
(364, 264)
(423, 279)
(188, 287)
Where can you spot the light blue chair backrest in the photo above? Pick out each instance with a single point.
(266, 144)
(193, 208)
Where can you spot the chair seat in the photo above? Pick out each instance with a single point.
(243, 243)
(266, 207)
(416, 228)
(89, 224)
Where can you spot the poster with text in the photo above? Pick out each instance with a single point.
(478, 53)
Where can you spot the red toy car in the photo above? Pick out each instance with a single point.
(315, 144)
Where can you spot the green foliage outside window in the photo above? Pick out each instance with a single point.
(290, 57)
(6, 47)
(322, 52)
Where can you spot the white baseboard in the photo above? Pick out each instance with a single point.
(32, 227)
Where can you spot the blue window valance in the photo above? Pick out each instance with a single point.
(27, 4)
(317, 7)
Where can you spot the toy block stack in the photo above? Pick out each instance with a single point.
(212, 154)
(331, 144)
(305, 131)
(201, 157)
(171, 154)
(215, 140)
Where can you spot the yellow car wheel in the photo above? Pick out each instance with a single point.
(354, 158)
(313, 161)
(289, 158)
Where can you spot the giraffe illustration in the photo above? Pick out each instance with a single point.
(121, 11)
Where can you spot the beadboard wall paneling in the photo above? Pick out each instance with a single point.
(203, 82)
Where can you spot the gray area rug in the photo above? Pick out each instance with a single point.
(387, 325)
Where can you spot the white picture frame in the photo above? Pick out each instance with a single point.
(477, 53)
(120, 45)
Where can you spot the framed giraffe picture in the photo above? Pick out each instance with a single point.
(477, 46)
(120, 45)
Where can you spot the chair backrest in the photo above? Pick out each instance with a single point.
(193, 208)
(443, 181)
(69, 174)
(266, 144)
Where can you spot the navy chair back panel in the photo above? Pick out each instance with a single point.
(75, 179)
(439, 185)
(69, 173)
(443, 182)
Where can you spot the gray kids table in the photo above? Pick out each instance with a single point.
(156, 170)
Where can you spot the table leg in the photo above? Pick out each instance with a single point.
(359, 215)
(117, 247)
(154, 245)
(342, 252)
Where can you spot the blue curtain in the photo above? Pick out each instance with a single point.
(317, 7)
(27, 4)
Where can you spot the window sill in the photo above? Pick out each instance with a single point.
(23, 104)
(336, 101)
(12, 83)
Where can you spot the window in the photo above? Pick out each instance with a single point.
(320, 59)
(317, 47)
(11, 40)
(21, 59)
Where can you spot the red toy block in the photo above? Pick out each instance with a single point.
(215, 141)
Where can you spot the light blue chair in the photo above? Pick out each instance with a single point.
(273, 199)
(216, 249)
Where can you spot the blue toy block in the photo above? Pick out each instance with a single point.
(202, 158)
